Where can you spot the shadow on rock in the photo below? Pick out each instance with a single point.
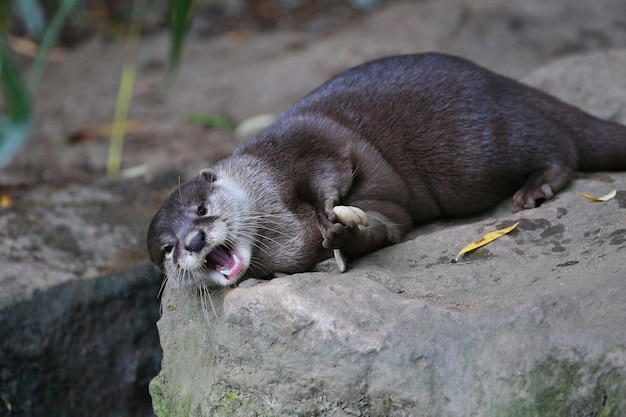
(85, 347)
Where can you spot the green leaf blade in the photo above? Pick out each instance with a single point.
(16, 122)
(31, 13)
(180, 18)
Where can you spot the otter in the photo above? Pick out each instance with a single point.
(407, 139)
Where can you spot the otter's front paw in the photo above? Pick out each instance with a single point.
(343, 233)
(337, 236)
(340, 230)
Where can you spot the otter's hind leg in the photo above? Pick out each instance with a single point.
(542, 185)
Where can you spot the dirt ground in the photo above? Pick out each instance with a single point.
(244, 72)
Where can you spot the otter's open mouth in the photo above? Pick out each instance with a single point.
(225, 261)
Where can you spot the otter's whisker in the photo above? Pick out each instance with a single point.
(162, 287)
(205, 294)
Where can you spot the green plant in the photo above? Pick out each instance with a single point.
(181, 12)
(17, 120)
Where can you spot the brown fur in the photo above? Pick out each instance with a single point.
(408, 139)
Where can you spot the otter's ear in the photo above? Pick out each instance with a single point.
(207, 175)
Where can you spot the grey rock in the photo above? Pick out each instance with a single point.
(78, 300)
(51, 234)
(595, 81)
(531, 324)
(82, 348)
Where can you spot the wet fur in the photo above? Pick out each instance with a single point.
(408, 139)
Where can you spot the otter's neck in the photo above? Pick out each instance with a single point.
(255, 178)
(280, 235)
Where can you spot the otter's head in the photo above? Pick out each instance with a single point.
(197, 236)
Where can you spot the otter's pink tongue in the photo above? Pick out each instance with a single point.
(227, 263)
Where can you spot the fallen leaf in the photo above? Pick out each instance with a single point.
(485, 239)
(26, 47)
(5, 200)
(103, 131)
(607, 197)
(130, 126)
(82, 135)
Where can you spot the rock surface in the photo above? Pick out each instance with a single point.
(78, 302)
(532, 324)
(82, 348)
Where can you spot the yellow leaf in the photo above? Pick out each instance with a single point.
(607, 197)
(5, 200)
(129, 126)
(486, 239)
(26, 47)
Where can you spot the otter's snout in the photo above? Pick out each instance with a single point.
(197, 242)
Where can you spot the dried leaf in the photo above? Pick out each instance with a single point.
(103, 131)
(28, 48)
(607, 197)
(485, 239)
(129, 126)
(5, 200)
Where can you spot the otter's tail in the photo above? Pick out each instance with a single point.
(600, 144)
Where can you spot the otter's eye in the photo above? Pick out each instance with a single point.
(168, 248)
(201, 210)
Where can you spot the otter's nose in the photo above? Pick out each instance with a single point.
(197, 243)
